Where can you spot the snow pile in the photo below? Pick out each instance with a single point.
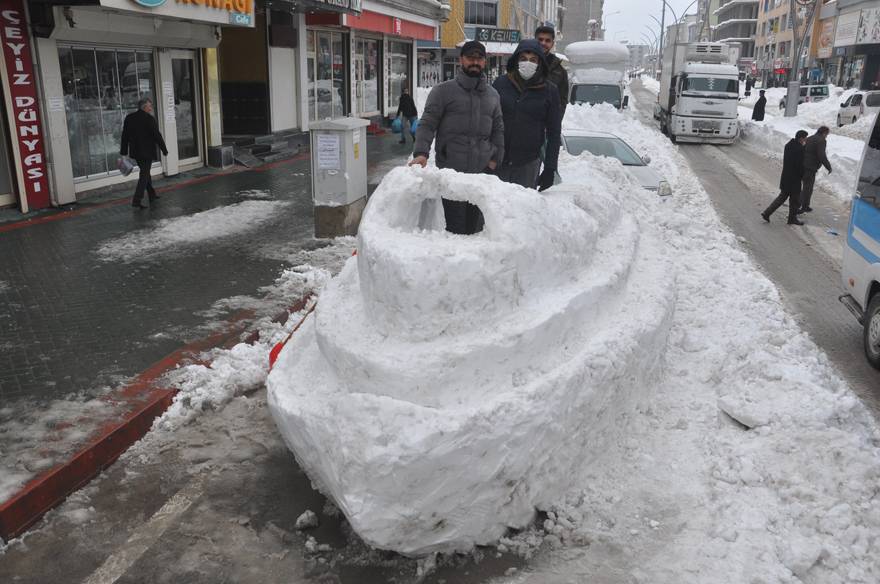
(597, 75)
(843, 153)
(448, 385)
(650, 84)
(786, 493)
(223, 374)
(597, 53)
(191, 229)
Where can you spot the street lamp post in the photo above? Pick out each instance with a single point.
(794, 84)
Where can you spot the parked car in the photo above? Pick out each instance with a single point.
(809, 94)
(857, 105)
(604, 144)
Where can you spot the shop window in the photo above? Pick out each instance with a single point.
(482, 13)
(326, 71)
(101, 86)
(399, 67)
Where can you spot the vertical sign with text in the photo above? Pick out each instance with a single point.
(25, 112)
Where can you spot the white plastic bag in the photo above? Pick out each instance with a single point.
(125, 165)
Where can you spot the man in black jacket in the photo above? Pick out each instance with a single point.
(530, 106)
(407, 107)
(814, 158)
(140, 136)
(790, 181)
(758, 109)
(556, 73)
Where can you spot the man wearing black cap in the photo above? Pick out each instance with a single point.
(464, 115)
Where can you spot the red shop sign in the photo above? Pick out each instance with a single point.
(23, 96)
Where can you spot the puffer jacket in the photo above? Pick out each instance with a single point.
(531, 112)
(814, 153)
(558, 76)
(464, 115)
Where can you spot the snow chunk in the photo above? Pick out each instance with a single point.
(504, 359)
(307, 520)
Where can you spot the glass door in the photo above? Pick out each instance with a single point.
(7, 191)
(184, 73)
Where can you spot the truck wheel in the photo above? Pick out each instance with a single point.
(672, 138)
(839, 123)
(872, 332)
(663, 129)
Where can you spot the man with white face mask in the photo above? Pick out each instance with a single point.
(532, 115)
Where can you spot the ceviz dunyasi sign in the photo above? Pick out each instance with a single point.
(226, 12)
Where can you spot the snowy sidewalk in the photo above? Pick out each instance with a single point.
(91, 300)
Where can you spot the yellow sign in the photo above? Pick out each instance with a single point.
(357, 151)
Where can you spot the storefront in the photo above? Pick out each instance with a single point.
(98, 62)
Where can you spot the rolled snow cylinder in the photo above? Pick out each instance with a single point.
(448, 385)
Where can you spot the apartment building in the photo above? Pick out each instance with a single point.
(737, 21)
(575, 23)
(774, 42)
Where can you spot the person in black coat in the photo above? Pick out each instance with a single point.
(758, 110)
(532, 114)
(749, 84)
(140, 137)
(407, 108)
(790, 181)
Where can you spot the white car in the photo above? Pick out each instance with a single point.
(809, 94)
(857, 105)
(603, 144)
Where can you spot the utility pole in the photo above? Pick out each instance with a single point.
(662, 30)
(797, 41)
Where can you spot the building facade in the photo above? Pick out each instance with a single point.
(774, 42)
(737, 23)
(582, 21)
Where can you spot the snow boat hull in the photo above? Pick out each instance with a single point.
(447, 386)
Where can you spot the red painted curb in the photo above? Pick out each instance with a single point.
(143, 403)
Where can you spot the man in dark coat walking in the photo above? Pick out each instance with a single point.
(556, 73)
(464, 114)
(758, 110)
(814, 157)
(531, 116)
(140, 137)
(749, 84)
(407, 108)
(790, 181)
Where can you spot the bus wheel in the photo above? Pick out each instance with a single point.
(872, 331)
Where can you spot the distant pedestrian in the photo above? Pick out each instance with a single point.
(758, 110)
(531, 116)
(556, 73)
(406, 108)
(814, 158)
(140, 137)
(790, 181)
(749, 85)
(464, 114)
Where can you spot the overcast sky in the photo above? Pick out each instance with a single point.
(635, 15)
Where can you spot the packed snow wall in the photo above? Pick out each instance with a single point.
(448, 385)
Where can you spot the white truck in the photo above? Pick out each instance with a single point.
(598, 73)
(699, 93)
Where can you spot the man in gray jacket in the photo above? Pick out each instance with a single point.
(814, 157)
(464, 115)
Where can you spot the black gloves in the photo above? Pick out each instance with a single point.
(545, 181)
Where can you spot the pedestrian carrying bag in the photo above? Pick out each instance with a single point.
(125, 165)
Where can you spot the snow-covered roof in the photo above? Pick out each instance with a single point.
(590, 52)
(597, 75)
(712, 68)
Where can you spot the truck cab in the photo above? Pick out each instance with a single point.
(861, 251)
(699, 93)
(598, 73)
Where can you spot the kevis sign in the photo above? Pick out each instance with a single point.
(225, 12)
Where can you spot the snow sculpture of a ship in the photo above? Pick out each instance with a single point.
(448, 385)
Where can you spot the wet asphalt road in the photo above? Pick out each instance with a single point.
(804, 262)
